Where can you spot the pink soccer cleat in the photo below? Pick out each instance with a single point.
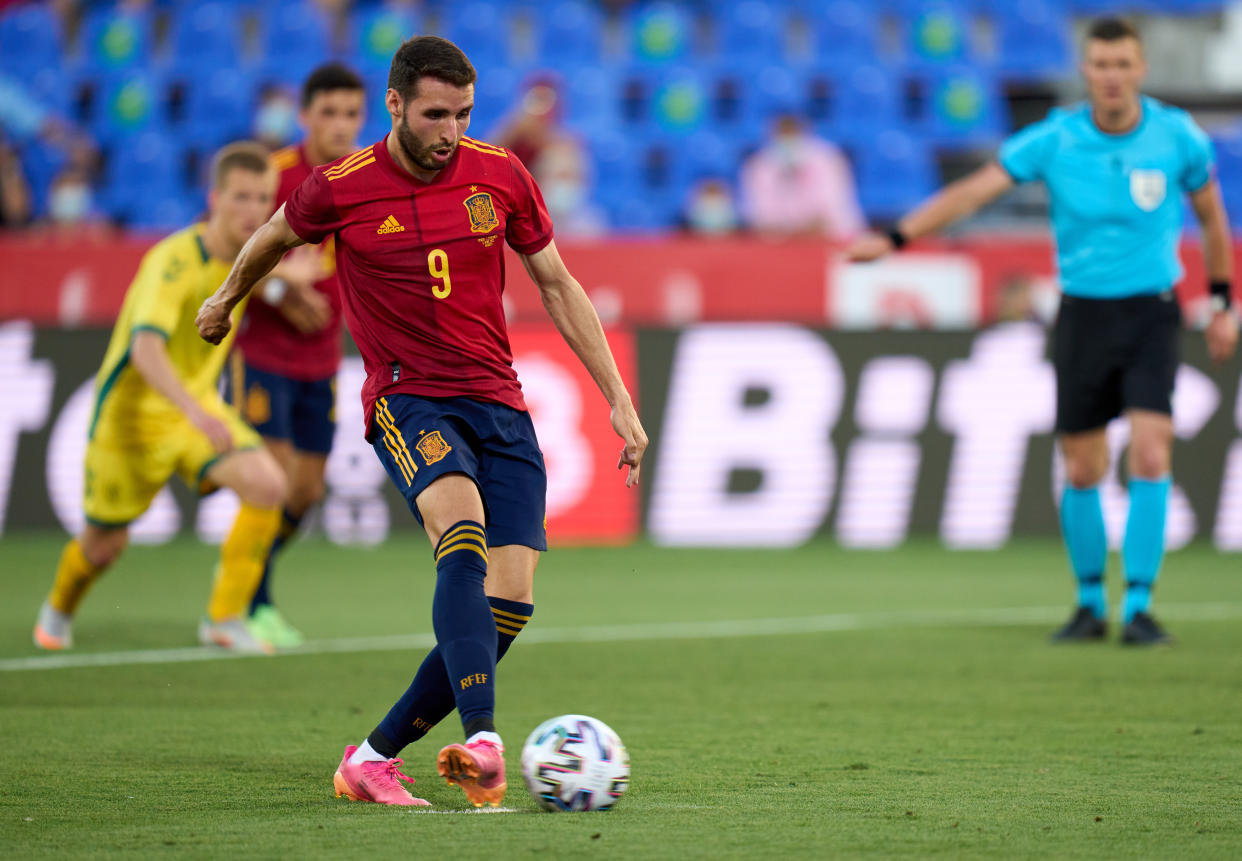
(374, 781)
(478, 768)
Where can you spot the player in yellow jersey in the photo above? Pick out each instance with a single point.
(157, 412)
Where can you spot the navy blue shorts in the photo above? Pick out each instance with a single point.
(421, 439)
(301, 411)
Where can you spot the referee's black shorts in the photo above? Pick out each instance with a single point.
(1112, 355)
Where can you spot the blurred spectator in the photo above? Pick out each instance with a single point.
(276, 117)
(24, 122)
(71, 197)
(15, 204)
(710, 210)
(555, 157)
(800, 184)
(534, 123)
(561, 171)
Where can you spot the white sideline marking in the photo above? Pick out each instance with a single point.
(725, 628)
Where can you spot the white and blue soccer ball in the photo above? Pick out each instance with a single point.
(575, 762)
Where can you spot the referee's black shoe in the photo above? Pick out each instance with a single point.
(1143, 630)
(1082, 627)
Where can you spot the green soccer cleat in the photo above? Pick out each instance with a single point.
(268, 623)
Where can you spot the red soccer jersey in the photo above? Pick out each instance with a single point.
(266, 339)
(422, 266)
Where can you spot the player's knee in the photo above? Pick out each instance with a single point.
(266, 486)
(1084, 472)
(1149, 461)
(305, 494)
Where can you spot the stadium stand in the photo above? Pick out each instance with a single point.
(905, 87)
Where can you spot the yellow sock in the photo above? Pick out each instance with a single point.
(74, 576)
(241, 561)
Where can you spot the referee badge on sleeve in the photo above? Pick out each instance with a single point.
(1147, 188)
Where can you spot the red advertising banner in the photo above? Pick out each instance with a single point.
(587, 497)
(52, 280)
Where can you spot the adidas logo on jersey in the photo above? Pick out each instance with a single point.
(390, 225)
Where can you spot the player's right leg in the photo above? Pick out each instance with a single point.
(122, 474)
(1088, 397)
(82, 562)
(1082, 525)
(253, 474)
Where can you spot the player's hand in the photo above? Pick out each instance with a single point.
(213, 320)
(625, 422)
(306, 309)
(864, 249)
(214, 429)
(1222, 335)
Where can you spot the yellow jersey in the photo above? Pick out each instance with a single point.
(173, 280)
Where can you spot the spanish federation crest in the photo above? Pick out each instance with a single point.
(432, 447)
(482, 214)
(1147, 188)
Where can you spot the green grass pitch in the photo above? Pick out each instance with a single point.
(903, 704)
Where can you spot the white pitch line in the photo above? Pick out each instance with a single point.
(725, 628)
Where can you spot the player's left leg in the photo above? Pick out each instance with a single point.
(1150, 458)
(252, 473)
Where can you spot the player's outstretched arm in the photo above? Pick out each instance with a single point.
(956, 200)
(576, 320)
(1222, 329)
(258, 257)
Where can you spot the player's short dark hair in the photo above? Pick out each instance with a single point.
(1112, 30)
(241, 155)
(428, 57)
(329, 76)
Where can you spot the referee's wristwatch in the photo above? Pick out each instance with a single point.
(1218, 296)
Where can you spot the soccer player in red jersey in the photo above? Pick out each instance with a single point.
(420, 219)
(289, 344)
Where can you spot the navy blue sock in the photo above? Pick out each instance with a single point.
(288, 528)
(429, 699)
(462, 619)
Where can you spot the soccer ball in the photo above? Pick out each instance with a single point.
(575, 762)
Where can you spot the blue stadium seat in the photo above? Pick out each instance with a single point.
(143, 168)
(30, 40)
(894, 171)
(962, 107)
(592, 97)
(115, 38)
(41, 164)
(165, 213)
(293, 40)
(659, 32)
(859, 104)
(1033, 40)
(845, 34)
(495, 94)
(569, 34)
(937, 34)
(750, 30)
(129, 103)
(220, 106)
(378, 32)
(481, 28)
(205, 34)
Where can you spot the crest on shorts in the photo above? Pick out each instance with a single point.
(1147, 188)
(432, 447)
(482, 214)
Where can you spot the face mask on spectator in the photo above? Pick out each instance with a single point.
(69, 202)
(276, 120)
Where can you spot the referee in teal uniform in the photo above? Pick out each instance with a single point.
(1116, 167)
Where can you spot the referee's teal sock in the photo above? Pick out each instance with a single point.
(1082, 523)
(1143, 548)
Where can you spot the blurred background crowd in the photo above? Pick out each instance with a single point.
(775, 116)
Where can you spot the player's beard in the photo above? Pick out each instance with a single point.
(417, 153)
